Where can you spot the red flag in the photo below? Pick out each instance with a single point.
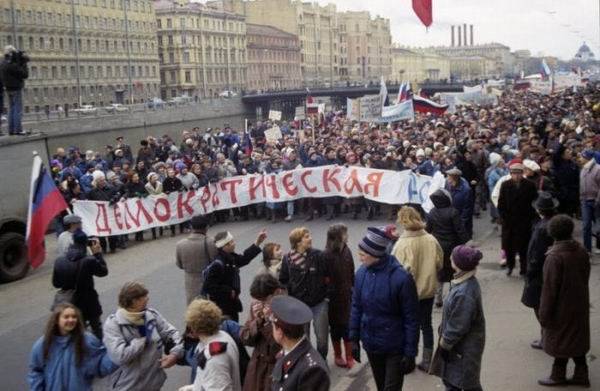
(45, 202)
(423, 9)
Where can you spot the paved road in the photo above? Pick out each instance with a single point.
(24, 304)
(508, 361)
(509, 364)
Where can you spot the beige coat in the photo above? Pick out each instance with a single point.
(191, 256)
(422, 256)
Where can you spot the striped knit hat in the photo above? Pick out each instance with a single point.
(375, 242)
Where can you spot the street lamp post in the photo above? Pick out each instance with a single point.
(125, 6)
(76, 43)
(14, 24)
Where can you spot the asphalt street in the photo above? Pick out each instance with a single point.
(509, 363)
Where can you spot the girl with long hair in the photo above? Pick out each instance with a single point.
(67, 357)
(341, 265)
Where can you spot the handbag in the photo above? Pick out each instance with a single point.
(66, 295)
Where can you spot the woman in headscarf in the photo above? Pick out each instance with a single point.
(462, 332)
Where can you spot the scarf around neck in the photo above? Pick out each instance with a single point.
(462, 276)
(136, 318)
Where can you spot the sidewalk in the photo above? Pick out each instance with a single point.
(509, 364)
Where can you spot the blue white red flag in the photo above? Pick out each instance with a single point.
(403, 92)
(424, 105)
(45, 202)
(247, 142)
(545, 69)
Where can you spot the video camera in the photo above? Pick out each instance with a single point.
(20, 57)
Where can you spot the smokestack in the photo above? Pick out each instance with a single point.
(471, 35)
(459, 36)
(465, 34)
(452, 29)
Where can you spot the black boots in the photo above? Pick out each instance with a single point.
(580, 376)
(558, 377)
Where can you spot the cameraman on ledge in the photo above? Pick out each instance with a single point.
(13, 72)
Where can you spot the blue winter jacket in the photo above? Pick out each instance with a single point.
(60, 371)
(384, 315)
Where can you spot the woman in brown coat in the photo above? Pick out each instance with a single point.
(258, 333)
(565, 305)
(341, 263)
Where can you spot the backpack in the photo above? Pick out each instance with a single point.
(206, 272)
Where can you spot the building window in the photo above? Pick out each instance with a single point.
(171, 58)
(188, 77)
(169, 23)
(54, 71)
(186, 57)
(159, 23)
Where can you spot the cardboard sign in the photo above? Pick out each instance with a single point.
(274, 115)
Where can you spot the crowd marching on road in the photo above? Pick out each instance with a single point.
(532, 161)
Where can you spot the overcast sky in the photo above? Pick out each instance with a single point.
(551, 27)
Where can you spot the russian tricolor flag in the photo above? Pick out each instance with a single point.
(403, 92)
(546, 72)
(424, 105)
(45, 202)
(247, 142)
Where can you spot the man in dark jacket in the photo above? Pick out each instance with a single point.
(384, 315)
(76, 270)
(13, 72)
(444, 223)
(306, 275)
(539, 244)
(565, 305)
(300, 368)
(222, 276)
(102, 191)
(462, 198)
(517, 216)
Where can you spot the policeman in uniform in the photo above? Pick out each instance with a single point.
(299, 366)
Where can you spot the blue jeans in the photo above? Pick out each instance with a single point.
(425, 308)
(588, 217)
(15, 111)
(321, 327)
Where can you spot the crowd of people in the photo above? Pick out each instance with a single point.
(531, 161)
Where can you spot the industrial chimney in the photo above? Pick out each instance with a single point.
(459, 36)
(471, 34)
(465, 35)
(452, 34)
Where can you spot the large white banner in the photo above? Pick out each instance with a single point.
(136, 214)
